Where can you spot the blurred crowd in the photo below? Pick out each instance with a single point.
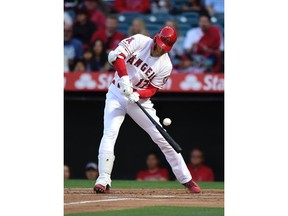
(94, 27)
(155, 172)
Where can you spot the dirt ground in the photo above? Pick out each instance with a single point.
(84, 200)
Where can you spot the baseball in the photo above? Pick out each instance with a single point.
(167, 121)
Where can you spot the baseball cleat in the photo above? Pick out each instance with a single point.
(192, 186)
(101, 189)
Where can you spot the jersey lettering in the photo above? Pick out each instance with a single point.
(150, 73)
(131, 60)
(144, 66)
(138, 62)
(142, 83)
(129, 40)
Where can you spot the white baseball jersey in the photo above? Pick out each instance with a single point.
(142, 68)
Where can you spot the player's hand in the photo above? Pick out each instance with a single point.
(134, 97)
(125, 86)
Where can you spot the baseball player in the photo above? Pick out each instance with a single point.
(142, 67)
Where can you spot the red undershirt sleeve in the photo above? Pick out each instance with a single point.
(120, 66)
(147, 93)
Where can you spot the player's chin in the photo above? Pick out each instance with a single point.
(160, 54)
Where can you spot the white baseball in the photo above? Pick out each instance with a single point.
(167, 121)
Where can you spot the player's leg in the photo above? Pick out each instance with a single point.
(114, 114)
(175, 160)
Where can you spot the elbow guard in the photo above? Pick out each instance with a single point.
(114, 54)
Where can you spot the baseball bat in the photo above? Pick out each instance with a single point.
(163, 132)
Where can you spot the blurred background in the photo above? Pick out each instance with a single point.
(193, 97)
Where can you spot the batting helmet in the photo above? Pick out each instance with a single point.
(166, 38)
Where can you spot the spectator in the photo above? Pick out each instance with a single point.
(68, 19)
(198, 170)
(72, 48)
(99, 61)
(70, 6)
(83, 29)
(104, 6)
(66, 172)
(205, 40)
(88, 58)
(91, 171)
(109, 35)
(177, 49)
(141, 6)
(193, 6)
(214, 6)
(95, 14)
(153, 172)
(160, 6)
(138, 27)
(79, 66)
(188, 65)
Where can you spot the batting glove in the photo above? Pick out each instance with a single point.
(125, 86)
(134, 97)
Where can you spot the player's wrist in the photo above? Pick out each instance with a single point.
(125, 85)
(134, 97)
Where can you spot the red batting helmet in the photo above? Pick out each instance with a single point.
(166, 38)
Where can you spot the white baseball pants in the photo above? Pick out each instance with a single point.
(116, 107)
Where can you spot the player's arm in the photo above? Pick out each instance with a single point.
(125, 48)
(145, 93)
(116, 58)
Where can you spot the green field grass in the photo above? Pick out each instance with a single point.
(140, 184)
(159, 210)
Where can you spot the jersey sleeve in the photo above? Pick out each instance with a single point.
(130, 45)
(162, 77)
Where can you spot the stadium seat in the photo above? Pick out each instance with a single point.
(159, 18)
(123, 27)
(218, 19)
(192, 21)
(178, 2)
(189, 17)
(183, 28)
(193, 15)
(128, 17)
(153, 28)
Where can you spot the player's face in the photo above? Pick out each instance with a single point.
(157, 51)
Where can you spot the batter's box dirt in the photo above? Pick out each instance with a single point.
(85, 200)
